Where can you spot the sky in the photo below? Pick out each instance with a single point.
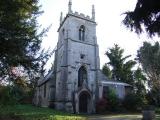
(109, 16)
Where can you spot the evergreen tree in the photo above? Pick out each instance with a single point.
(140, 82)
(121, 68)
(145, 15)
(20, 39)
(106, 71)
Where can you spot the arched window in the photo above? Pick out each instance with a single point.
(82, 33)
(82, 76)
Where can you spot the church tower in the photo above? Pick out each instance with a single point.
(76, 63)
(75, 82)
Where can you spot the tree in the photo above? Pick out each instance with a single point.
(121, 69)
(20, 39)
(145, 15)
(106, 71)
(140, 82)
(140, 86)
(149, 57)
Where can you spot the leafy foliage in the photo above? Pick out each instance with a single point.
(106, 71)
(133, 102)
(7, 97)
(147, 14)
(136, 99)
(20, 39)
(11, 95)
(153, 97)
(140, 82)
(101, 105)
(122, 71)
(113, 101)
(149, 57)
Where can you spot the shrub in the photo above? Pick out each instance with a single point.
(27, 97)
(6, 96)
(101, 105)
(148, 107)
(113, 101)
(134, 102)
(11, 95)
(153, 97)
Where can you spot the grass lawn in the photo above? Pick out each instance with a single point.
(29, 112)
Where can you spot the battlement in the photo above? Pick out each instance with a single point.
(76, 14)
(81, 15)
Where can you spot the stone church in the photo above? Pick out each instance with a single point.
(75, 82)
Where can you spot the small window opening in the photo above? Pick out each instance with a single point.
(82, 56)
(82, 33)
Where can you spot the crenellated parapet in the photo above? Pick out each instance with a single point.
(76, 14)
(81, 15)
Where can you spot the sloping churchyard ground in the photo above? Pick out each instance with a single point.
(29, 112)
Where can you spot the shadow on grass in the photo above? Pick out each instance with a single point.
(29, 112)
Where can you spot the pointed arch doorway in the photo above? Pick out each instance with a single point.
(84, 102)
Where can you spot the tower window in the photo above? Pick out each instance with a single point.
(82, 33)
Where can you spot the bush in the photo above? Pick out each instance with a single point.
(134, 102)
(153, 98)
(113, 101)
(6, 96)
(11, 95)
(101, 105)
(148, 107)
(110, 102)
(27, 97)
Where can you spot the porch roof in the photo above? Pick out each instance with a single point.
(114, 83)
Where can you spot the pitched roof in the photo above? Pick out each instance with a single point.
(106, 81)
(46, 78)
